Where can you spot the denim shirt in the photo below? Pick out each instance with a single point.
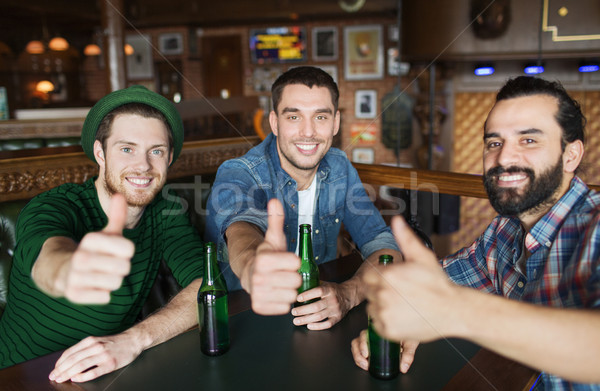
(243, 186)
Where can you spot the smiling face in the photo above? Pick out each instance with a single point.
(525, 169)
(135, 160)
(304, 123)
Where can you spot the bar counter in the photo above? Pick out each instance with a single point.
(269, 352)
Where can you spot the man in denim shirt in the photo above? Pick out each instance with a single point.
(307, 181)
(529, 287)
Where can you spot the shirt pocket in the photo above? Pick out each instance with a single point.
(329, 228)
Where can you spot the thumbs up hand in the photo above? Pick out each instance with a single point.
(413, 300)
(102, 259)
(273, 274)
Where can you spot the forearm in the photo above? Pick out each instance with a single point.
(242, 241)
(178, 316)
(564, 342)
(50, 268)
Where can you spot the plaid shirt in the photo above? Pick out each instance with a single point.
(563, 269)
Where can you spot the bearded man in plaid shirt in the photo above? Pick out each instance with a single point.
(538, 262)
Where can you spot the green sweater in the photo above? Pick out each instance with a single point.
(35, 324)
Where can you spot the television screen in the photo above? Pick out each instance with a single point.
(278, 45)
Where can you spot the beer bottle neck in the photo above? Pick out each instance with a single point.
(212, 274)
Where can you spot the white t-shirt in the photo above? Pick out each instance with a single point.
(306, 207)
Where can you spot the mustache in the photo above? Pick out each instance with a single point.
(498, 170)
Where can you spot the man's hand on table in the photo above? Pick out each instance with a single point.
(272, 277)
(360, 352)
(100, 355)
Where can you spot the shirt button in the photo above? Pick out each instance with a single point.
(293, 240)
(317, 258)
(337, 220)
(293, 206)
(520, 284)
(317, 231)
(548, 244)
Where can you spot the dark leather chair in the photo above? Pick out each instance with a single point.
(9, 211)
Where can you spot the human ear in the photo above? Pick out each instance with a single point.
(573, 155)
(336, 123)
(99, 153)
(273, 122)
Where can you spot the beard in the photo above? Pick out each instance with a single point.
(137, 198)
(537, 195)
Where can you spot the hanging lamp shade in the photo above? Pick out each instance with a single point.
(44, 86)
(92, 50)
(59, 44)
(128, 49)
(35, 47)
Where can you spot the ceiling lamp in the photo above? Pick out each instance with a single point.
(92, 50)
(532, 69)
(59, 44)
(586, 67)
(128, 49)
(484, 70)
(35, 47)
(44, 86)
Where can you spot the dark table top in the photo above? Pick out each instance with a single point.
(269, 352)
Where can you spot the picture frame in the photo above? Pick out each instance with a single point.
(139, 64)
(363, 155)
(365, 103)
(331, 69)
(324, 43)
(363, 52)
(170, 43)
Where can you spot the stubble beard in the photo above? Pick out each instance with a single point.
(134, 198)
(539, 194)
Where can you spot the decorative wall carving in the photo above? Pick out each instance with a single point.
(23, 178)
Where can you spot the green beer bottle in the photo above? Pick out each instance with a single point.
(308, 268)
(213, 314)
(384, 355)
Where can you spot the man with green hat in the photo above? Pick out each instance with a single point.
(88, 254)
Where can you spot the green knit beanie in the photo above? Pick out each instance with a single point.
(133, 94)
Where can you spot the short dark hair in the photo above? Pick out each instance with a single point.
(140, 109)
(569, 115)
(308, 76)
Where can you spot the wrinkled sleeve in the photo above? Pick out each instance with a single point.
(183, 250)
(362, 219)
(235, 196)
(42, 218)
(467, 267)
(591, 252)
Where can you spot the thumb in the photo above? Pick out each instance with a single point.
(275, 235)
(117, 215)
(410, 244)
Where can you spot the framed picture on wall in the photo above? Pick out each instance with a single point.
(363, 155)
(139, 64)
(365, 103)
(331, 69)
(363, 52)
(324, 43)
(170, 43)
